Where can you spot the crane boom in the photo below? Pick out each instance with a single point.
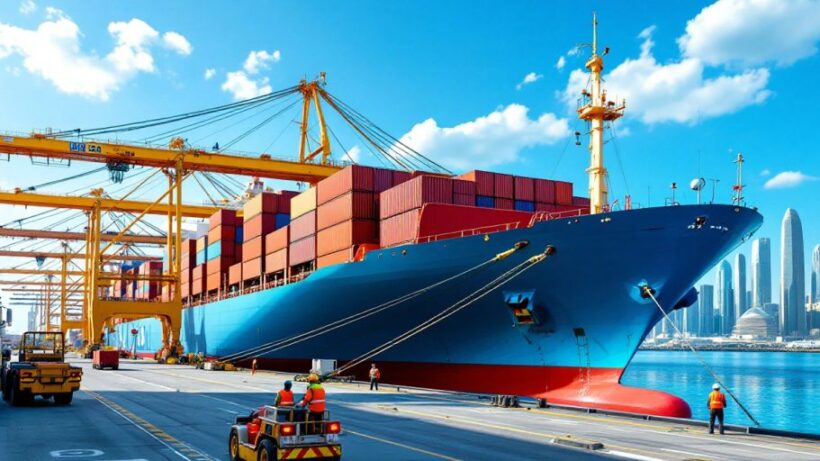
(34, 254)
(57, 235)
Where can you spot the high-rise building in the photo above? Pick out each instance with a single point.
(706, 310)
(691, 319)
(32, 320)
(725, 301)
(761, 272)
(739, 285)
(815, 274)
(792, 277)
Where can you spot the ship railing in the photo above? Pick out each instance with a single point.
(540, 216)
(469, 232)
(205, 299)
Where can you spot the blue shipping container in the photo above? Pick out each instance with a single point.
(201, 256)
(484, 202)
(238, 235)
(282, 220)
(523, 205)
(214, 250)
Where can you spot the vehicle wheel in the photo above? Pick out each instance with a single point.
(46, 396)
(266, 451)
(18, 397)
(233, 446)
(64, 398)
(6, 390)
(115, 367)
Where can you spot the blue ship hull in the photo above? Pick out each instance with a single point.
(587, 300)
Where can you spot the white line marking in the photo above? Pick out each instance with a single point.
(230, 411)
(699, 455)
(731, 442)
(147, 382)
(624, 454)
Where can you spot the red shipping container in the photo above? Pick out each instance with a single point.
(463, 187)
(303, 226)
(504, 186)
(400, 177)
(464, 199)
(260, 224)
(398, 229)
(253, 248)
(524, 189)
(252, 269)
(352, 205)
(563, 193)
(235, 274)
(504, 204)
(277, 261)
(353, 177)
(345, 235)
(437, 219)
(222, 217)
(414, 194)
(484, 182)
(302, 251)
(188, 254)
(338, 257)
(544, 191)
(219, 264)
(284, 200)
(382, 179)
(277, 240)
(263, 202)
(580, 201)
(545, 207)
(214, 281)
(224, 232)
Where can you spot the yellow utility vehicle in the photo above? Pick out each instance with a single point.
(277, 433)
(40, 370)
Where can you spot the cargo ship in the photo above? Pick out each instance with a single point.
(563, 331)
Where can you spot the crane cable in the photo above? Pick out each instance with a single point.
(286, 342)
(450, 311)
(649, 292)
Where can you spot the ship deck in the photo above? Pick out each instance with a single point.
(146, 411)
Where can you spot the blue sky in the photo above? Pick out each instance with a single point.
(702, 80)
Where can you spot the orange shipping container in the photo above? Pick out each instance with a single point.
(222, 217)
(345, 235)
(213, 282)
(352, 205)
(303, 203)
(302, 251)
(338, 257)
(264, 202)
(303, 226)
(235, 274)
(277, 240)
(198, 272)
(253, 249)
(260, 224)
(252, 269)
(224, 233)
(484, 182)
(275, 262)
(353, 177)
(399, 229)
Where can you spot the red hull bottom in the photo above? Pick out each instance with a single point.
(596, 388)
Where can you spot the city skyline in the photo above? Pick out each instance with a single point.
(761, 271)
(792, 276)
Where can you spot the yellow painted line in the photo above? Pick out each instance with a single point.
(407, 447)
(179, 448)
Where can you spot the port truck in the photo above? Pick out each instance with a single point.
(40, 370)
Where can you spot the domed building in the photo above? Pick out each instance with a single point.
(755, 323)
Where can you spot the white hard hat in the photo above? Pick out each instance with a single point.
(716, 386)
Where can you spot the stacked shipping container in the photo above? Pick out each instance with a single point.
(264, 213)
(507, 192)
(186, 267)
(223, 249)
(302, 237)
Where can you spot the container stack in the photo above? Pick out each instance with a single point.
(186, 267)
(302, 238)
(198, 280)
(222, 251)
(276, 254)
(149, 289)
(260, 219)
(346, 215)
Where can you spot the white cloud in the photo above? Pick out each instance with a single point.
(673, 92)
(753, 32)
(177, 42)
(493, 139)
(53, 51)
(355, 154)
(561, 62)
(532, 77)
(13, 70)
(209, 73)
(766, 172)
(27, 7)
(258, 60)
(241, 87)
(787, 179)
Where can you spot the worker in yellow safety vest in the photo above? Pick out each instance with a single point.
(716, 404)
(284, 398)
(314, 400)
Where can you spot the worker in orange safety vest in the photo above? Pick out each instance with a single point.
(314, 400)
(284, 398)
(375, 376)
(716, 404)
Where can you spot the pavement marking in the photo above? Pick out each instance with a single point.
(632, 456)
(407, 447)
(179, 448)
(122, 375)
(229, 411)
(699, 455)
(732, 442)
(76, 453)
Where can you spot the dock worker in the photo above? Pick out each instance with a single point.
(375, 376)
(314, 399)
(716, 404)
(284, 398)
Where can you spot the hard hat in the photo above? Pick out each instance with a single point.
(716, 386)
(313, 378)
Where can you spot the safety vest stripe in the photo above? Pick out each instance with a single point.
(317, 401)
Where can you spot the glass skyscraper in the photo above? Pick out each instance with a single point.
(761, 272)
(792, 277)
(706, 311)
(739, 285)
(815, 274)
(725, 301)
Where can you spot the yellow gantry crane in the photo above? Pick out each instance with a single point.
(176, 160)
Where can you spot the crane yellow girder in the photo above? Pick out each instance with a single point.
(47, 254)
(57, 235)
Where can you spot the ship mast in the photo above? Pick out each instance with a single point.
(596, 110)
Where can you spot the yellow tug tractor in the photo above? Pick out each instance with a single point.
(277, 433)
(40, 370)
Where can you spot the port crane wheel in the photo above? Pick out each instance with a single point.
(266, 451)
(233, 445)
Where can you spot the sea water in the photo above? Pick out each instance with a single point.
(780, 389)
